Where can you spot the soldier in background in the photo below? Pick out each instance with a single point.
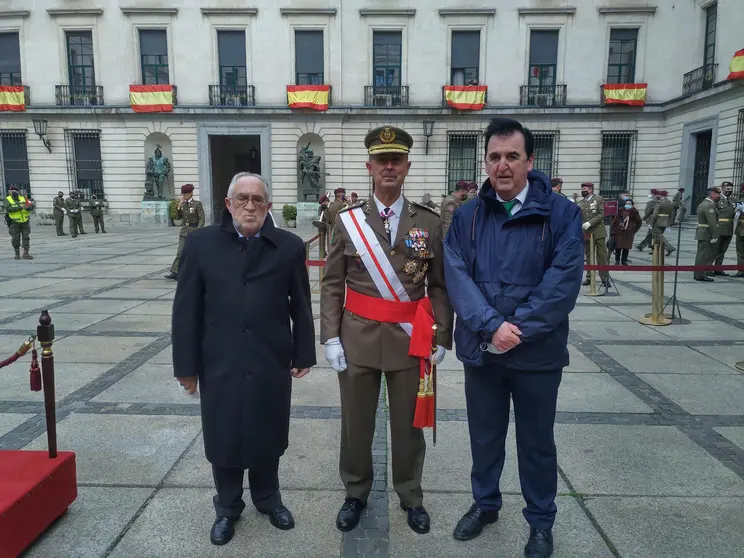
(726, 210)
(707, 233)
(354, 198)
(18, 214)
(192, 213)
(739, 230)
(335, 206)
(58, 211)
(96, 211)
(678, 209)
(556, 185)
(73, 206)
(450, 203)
(592, 215)
(427, 201)
(653, 199)
(472, 191)
(660, 220)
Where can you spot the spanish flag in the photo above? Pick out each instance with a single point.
(737, 65)
(308, 96)
(12, 97)
(465, 97)
(151, 98)
(633, 94)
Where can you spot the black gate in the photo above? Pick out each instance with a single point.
(703, 142)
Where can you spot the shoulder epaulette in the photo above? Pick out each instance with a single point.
(360, 203)
(426, 207)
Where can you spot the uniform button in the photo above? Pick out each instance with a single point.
(392, 252)
(246, 283)
(247, 330)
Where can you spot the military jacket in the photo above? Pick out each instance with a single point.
(652, 203)
(707, 217)
(449, 204)
(726, 210)
(333, 208)
(416, 256)
(662, 215)
(677, 200)
(592, 211)
(97, 207)
(73, 206)
(58, 206)
(192, 213)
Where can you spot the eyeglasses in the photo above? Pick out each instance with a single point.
(242, 201)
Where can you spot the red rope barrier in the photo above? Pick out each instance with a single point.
(11, 360)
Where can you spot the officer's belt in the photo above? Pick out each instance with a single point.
(702, 225)
(724, 220)
(662, 214)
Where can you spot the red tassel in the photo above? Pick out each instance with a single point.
(35, 372)
(424, 415)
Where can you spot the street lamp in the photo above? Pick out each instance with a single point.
(40, 127)
(428, 131)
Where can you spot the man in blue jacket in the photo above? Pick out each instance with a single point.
(514, 258)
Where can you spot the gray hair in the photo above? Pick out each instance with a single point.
(240, 175)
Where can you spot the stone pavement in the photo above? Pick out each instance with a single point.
(650, 428)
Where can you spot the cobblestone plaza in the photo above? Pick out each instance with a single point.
(650, 428)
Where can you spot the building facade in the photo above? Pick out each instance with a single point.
(551, 63)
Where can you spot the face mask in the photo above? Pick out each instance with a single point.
(650, 196)
(584, 194)
(628, 207)
(624, 198)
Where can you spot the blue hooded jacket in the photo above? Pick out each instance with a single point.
(525, 269)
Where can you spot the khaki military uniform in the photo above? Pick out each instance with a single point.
(449, 204)
(726, 210)
(373, 348)
(192, 213)
(676, 207)
(647, 213)
(74, 206)
(707, 230)
(592, 211)
(96, 211)
(58, 211)
(660, 219)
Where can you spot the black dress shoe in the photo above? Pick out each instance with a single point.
(587, 281)
(704, 278)
(739, 274)
(171, 275)
(280, 517)
(540, 544)
(418, 519)
(223, 530)
(471, 524)
(349, 514)
(721, 273)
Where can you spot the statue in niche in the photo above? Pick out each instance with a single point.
(158, 169)
(309, 167)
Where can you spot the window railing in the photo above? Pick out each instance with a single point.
(11, 78)
(78, 95)
(699, 79)
(309, 79)
(542, 95)
(232, 95)
(386, 96)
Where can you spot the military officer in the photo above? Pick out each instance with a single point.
(58, 211)
(707, 233)
(428, 202)
(592, 215)
(18, 214)
(556, 185)
(678, 202)
(451, 202)
(653, 200)
(96, 211)
(192, 213)
(335, 206)
(472, 191)
(726, 209)
(354, 198)
(387, 251)
(660, 220)
(73, 206)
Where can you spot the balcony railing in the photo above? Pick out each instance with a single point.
(78, 95)
(386, 96)
(232, 95)
(542, 95)
(699, 79)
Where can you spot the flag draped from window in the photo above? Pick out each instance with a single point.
(465, 97)
(308, 96)
(737, 65)
(12, 97)
(633, 94)
(151, 98)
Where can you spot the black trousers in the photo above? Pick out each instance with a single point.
(621, 254)
(263, 483)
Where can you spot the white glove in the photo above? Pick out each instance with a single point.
(714, 241)
(185, 392)
(586, 225)
(334, 354)
(438, 357)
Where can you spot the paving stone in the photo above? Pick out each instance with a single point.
(91, 524)
(320, 387)
(63, 321)
(597, 393)
(640, 460)
(113, 350)
(152, 308)
(75, 288)
(596, 313)
(165, 357)
(450, 389)
(726, 355)
(68, 377)
(135, 322)
(9, 421)
(13, 304)
(701, 394)
(693, 294)
(129, 292)
(92, 306)
(665, 360)
(733, 311)
(28, 284)
(176, 524)
(574, 535)
(673, 527)
(616, 331)
(733, 433)
(150, 383)
(122, 449)
(704, 331)
(635, 312)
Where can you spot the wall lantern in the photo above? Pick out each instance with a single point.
(428, 131)
(40, 127)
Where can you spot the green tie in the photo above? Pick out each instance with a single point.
(508, 206)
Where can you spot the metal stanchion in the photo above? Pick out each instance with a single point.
(657, 317)
(593, 274)
(45, 335)
(322, 254)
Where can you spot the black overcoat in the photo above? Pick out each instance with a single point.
(231, 328)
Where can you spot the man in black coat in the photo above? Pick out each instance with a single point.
(239, 285)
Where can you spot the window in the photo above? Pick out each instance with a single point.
(739, 152)
(387, 58)
(80, 62)
(309, 58)
(85, 171)
(462, 158)
(154, 56)
(543, 59)
(10, 59)
(465, 57)
(14, 160)
(617, 166)
(231, 47)
(622, 59)
(546, 151)
(709, 50)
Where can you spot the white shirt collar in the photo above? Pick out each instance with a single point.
(397, 206)
(257, 235)
(519, 198)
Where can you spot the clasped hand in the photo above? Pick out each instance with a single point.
(506, 337)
